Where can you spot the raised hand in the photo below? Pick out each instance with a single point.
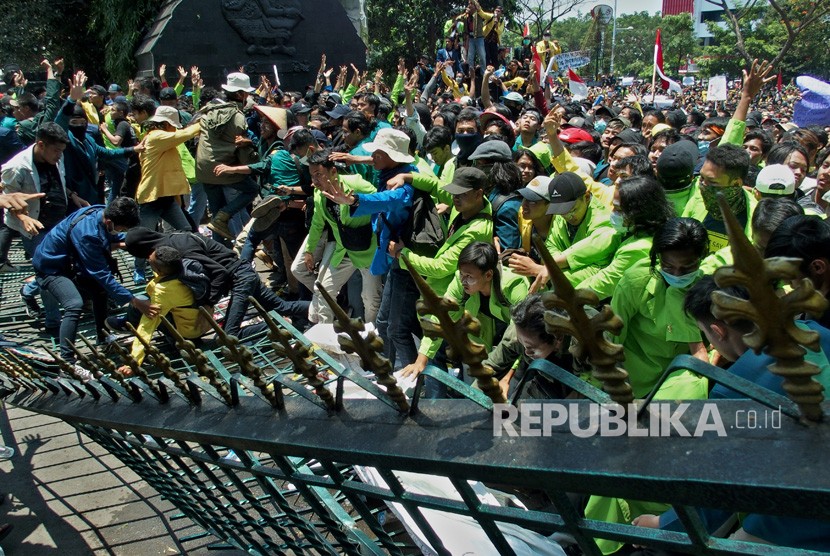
(58, 65)
(401, 66)
(20, 80)
(77, 86)
(758, 76)
(182, 73)
(162, 72)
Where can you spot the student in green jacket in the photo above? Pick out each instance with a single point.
(349, 247)
(640, 209)
(471, 219)
(649, 301)
(482, 288)
(581, 239)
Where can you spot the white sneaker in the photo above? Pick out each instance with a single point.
(82, 374)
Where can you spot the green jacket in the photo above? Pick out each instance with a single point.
(687, 202)
(515, 289)
(634, 248)
(221, 124)
(440, 269)
(322, 216)
(27, 129)
(593, 244)
(656, 328)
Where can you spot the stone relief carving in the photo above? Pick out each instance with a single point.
(265, 25)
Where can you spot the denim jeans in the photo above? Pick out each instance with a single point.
(219, 201)
(114, 176)
(31, 289)
(247, 283)
(397, 319)
(70, 295)
(289, 230)
(198, 202)
(165, 208)
(476, 48)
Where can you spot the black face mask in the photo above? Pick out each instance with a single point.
(467, 143)
(78, 131)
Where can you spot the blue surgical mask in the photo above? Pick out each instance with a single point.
(616, 220)
(600, 125)
(680, 282)
(703, 147)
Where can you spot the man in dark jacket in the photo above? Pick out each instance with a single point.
(227, 273)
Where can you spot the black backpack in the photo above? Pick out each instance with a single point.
(194, 277)
(424, 232)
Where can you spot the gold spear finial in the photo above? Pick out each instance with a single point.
(233, 349)
(369, 349)
(285, 345)
(163, 363)
(195, 357)
(773, 316)
(137, 370)
(602, 354)
(105, 362)
(456, 334)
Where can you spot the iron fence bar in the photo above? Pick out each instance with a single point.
(557, 373)
(573, 521)
(490, 527)
(413, 510)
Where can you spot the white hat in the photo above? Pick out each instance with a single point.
(776, 179)
(238, 82)
(537, 189)
(393, 142)
(167, 114)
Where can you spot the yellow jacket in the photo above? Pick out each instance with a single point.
(172, 296)
(162, 174)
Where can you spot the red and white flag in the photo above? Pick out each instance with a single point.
(578, 88)
(667, 83)
(526, 30)
(537, 63)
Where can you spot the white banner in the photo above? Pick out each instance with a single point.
(576, 59)
(717, 88)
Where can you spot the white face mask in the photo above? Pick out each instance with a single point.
(616, 220)
(682, 281)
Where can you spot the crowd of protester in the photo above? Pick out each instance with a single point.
(451, 168)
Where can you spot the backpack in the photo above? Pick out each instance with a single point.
(193, 276)
(424, 231)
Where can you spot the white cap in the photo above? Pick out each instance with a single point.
(238, 82)
(776, 179)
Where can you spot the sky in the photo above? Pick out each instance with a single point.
(625, 6)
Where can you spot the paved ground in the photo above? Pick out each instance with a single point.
(66, 495)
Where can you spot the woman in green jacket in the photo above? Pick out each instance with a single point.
(640, 209)
(649, 300)
(484, 290)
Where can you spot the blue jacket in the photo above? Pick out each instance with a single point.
(395, 207)
(81, 159)
(91, 242)
(10, 144)
(506, 221)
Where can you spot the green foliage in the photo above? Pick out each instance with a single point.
(412, 28)
(120, 25)
(764, 35)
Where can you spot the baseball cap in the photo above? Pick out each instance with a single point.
(300, 108)
(514, 96)
(628, 136)
(608, 110)
(626, 123)
(775, 179)
(658, 128)
(576, 121)
(575, 135)
(495, 150)
(676, 164)
(321, 137)
(537, 189)
(168, 93)
(466, 179)
(564, 191)
(338, 112)
(486, 117)
(114, 88)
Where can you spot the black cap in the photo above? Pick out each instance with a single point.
(466, 179)
(495, 150)
(628, 136)
(338, 112)
(99, 90)
(565, 190)
(168, 93)
(676, 165)
(300, 108)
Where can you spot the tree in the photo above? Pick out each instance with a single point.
(795, 17)
(120, 25)
(542, 14)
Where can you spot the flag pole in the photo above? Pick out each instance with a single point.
(654, 82)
